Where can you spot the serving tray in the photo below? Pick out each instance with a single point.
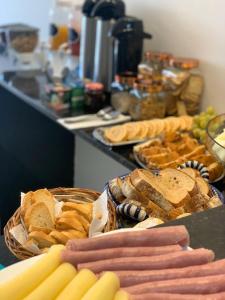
(98, 134)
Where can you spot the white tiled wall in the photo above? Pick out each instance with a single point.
(184, 27)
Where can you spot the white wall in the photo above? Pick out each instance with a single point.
(189, 28)
(33, 12)
(185, 27)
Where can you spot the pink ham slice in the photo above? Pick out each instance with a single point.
(149, 238)
(173, 260)
(198, 285)
(77, 257)
(129, 278)
(218, 296)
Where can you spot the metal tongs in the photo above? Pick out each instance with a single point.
(106, 114)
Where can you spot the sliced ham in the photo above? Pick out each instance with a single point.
(128, 278)
(77, 257)
(149, 238)
(198, 285)
(178, 259)
(218, 296)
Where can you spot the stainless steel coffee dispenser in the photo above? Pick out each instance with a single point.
(107, 13)
(87, 44)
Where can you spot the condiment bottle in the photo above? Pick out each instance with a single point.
(94, 97)
(58, 23)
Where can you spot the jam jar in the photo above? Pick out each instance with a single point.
(95, 98)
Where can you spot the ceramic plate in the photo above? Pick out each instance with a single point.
(17, 268)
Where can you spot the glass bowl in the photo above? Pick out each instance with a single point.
(215, 128)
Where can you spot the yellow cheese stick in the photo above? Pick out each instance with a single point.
(54, 284)
(122, 295)
(79, 286)
(105, 288)
(21, 285)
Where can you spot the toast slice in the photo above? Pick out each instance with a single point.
(59, 237)
(69, 223)
(203, 186)
(171, 188)
(129, 191)
(84, 209)
(39, 215)
(44, 240)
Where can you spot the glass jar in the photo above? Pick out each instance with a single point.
(153, 65)
(120, 97)
(185, 82)
(147, 102)
(94, 97)
(74, 27)
(59, 23)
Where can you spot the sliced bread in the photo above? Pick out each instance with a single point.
(69, 223)
(39, 215)
(44, 240)
(168, 189)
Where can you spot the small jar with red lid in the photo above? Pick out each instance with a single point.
(95, 98)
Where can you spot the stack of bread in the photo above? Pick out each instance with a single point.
(147, 129)
(50, 222)
(173, 150)
(167, 195)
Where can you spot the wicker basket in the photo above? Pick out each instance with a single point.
(22, 253)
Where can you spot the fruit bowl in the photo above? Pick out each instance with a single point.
(216, 138)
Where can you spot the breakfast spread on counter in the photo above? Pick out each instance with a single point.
(136, 265)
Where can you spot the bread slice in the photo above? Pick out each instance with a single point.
(39, 215)
(34, 228)
(60, 237)
(214, 202)
(191, 172)
(115, 187)
(215, 171)
(203, 186)
(45, 196)
(129, 191)
(74, 234)
(74, 214)
(169, 189)
(27, 202)
(69, 223)
(85, 210)
(44, 240)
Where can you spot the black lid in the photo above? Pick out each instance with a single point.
(109, 9)
(88, 6)
(129, 26)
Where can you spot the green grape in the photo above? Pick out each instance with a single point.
(197, 132)
(211, 110)
(203, 123)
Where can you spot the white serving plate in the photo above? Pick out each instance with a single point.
(98, 134)
(17, 268)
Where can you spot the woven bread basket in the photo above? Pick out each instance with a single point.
(20, 252)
